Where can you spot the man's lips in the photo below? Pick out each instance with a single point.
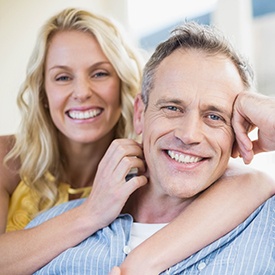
(183, 158)
(87, 114)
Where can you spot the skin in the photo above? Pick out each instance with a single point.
(192, 123)
(254, 110)
(79, 79)
(31, 250)
(84, 87)
(161, 202)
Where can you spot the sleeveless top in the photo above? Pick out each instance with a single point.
(23, 205)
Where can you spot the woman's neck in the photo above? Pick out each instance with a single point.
(80, 161)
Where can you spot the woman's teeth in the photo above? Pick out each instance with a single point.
(84, 115)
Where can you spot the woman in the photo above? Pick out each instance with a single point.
(76, 99)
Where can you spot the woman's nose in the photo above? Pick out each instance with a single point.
(82, 90)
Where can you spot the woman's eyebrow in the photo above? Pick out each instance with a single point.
(68, 67)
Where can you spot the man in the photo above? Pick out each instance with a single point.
(184, 115)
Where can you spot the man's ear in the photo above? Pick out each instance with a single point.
(138, 114)
(235, 150)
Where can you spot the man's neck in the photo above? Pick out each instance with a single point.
(146, 206)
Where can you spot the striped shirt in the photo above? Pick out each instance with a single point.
(246, 250)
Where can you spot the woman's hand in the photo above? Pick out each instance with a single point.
(110, 189)
(115, 271)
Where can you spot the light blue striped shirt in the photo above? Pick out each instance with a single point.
(246, 250)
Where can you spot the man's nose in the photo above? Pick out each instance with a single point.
(82, 89)
(190, 130)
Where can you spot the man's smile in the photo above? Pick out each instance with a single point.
(183, 158)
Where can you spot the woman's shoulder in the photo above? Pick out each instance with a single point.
(24, 205)
(6, 142)
(9, 171)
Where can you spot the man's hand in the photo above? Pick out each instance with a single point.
(253, 110)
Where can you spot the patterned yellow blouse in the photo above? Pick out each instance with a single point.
(24, 206)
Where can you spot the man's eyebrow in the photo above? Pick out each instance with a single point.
(209, 107)
(218, 109)
(166, 100)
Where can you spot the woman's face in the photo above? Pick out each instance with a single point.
(82, 88)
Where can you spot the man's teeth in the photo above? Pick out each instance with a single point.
(84, 115)
(183, 158)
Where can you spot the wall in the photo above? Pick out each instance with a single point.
(251, 28)
(19, 24)
(20, 21)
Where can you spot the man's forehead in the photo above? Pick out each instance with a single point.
(187, 76)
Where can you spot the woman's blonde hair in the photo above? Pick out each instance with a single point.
(37, 144)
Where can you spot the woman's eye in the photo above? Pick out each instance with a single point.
(62, 78)
(100, 74)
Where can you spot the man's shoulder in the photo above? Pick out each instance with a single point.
(263, 214)
(269, 204)
(54, 211)
(253, 237)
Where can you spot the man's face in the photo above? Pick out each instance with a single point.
(186, 128)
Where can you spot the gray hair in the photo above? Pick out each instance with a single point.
(192, 35)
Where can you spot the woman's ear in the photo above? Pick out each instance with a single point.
(138, 114)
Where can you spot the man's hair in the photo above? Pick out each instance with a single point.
(193, 36)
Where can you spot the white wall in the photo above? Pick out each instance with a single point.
(234, 18)
(19, 24)
(251, 38)
(264, 45)
(263, 161)
(21, 19)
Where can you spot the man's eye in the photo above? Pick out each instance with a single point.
(215, 117)
(172, 108)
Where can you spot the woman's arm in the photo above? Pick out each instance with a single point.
(25, 251)
(214, 213)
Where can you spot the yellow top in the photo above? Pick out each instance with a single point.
(24, 206)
